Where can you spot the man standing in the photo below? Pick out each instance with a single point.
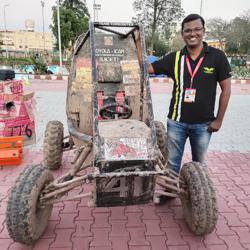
(195, 69)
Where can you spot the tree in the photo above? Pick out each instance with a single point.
(77, 6)
(74, 19)
(158, 16)
(177, 42)
(239, 34)
(217, 29)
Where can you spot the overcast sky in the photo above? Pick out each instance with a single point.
(111, 10)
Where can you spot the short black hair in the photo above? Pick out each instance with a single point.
(192, 17)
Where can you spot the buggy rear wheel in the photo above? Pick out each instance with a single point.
(53, 145)
(25, 219)
(161, 138)
(200, 203)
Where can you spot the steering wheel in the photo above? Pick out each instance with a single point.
(109, 111)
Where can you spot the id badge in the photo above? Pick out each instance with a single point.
(189, 95)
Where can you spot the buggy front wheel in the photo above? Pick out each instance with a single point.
(26, 220)
(199, 203)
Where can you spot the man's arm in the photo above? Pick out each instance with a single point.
(223, 102)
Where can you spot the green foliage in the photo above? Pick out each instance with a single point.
(39, 65)
(79, 7)
(74, 19)
(239, 34)
(161, 46)
(241, 72)
(235, 33)
(217, 29)
(177, 42)
(158, 17)
(12, 61)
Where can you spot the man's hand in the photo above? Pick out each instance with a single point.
(214, 126)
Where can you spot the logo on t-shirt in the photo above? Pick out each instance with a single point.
(208, 70)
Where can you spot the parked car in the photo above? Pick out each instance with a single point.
(6, 67)
(57, 70)
(28, 69)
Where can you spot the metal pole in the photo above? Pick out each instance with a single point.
(59, 32)
(94, 11)
(42, 3)
(201, 7)
(5, 28)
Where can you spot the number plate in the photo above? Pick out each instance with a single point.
(125, 149)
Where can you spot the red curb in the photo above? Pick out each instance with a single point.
(168, 80)
(48, 77)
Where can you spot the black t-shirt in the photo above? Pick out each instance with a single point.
(214, 68)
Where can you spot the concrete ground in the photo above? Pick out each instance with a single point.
(74, 225)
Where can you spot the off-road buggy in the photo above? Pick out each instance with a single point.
(112, 130)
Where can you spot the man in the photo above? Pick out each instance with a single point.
(195, 69)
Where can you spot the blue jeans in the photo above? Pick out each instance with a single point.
(177, 134)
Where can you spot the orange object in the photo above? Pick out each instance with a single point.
(11, 149)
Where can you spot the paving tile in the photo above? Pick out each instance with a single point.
(50, 230)
(178, 213)
(223, 206)
(85, 213)
(174, 237)
(216, 247)
(149, 212)
(100, 248)
(101, 210)
(195, 242)
(213, 239)
(243, 233)
(167, 220)
(81, 243)
(233, 219)
(100, 237)
(118, 229)
(184, 230)
(222, 228)
(101, 220)
(246, 203)
(157, 242)
(153, 228)
(2, 220)
(242, 212)
(55, 213)
(119, 243)
(117, 213)
(232, 242)
(4, 233)
(164, 208)
(133, 209)
(134, 220)
(241, 196)
(139, 248)
(67, 221)
(5, 243)
(3, 207)
(70, 207)
(179, 247)
(83, 229)
(63, 238)
(43, 244)
(19, 246)
(137, 237)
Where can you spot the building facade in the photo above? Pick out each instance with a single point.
(25, 42)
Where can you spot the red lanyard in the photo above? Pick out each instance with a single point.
(192, 74)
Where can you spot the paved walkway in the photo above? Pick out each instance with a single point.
(74, 225)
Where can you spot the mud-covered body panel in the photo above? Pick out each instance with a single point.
(105, 82)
